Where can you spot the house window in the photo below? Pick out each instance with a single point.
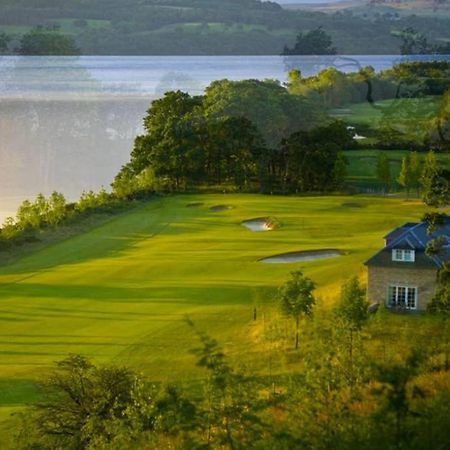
(402, 297)
(403, 255)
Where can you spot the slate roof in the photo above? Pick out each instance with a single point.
(413, 236)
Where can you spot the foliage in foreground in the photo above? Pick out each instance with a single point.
(341, 395)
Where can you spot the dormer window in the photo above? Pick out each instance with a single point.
(403, 255)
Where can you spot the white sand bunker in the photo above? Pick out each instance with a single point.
(218, 208)
(259, 224)
(308, 255)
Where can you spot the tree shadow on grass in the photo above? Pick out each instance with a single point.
(212, 294)
(109, 240)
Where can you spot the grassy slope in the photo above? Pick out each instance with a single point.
(121, 291)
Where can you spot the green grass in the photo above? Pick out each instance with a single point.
(407, 116)
(120, 293)
(361, 167)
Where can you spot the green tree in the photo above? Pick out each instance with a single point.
(439, 128)
(266, 104)
(415, 165)
(27, 216)
(439, 306)
(10, 229)
(171, 145)
(56, 209)
(84, 406)
(4, 42)
(406, 176)
(41, 41)
(352, 312)
(384, 171)
(296, 299)
(340, 171)
(227, 413)
(414, 43)
(309, 158)
(314, 42)
(396, 384)
(435, 188)
(352, 307)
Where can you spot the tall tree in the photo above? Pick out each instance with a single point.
(405, 178)
(296, 299)
(41, 41)
(416, 171)
(314, 42)
(435, 188)
(352, 312)
(439, 306)
(309, 158)
(414, 43)
(384, 171)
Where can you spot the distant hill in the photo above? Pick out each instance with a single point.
(200, 27)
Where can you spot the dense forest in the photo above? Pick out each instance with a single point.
(205, 27)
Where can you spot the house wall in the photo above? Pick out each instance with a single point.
(379, 279)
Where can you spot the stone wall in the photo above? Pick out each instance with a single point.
(380, 278)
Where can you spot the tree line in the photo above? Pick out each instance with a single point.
(214, 27)
(35, 219)
(246, 135)
(335, 88)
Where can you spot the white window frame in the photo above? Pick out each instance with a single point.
(397, 291)
(403, 255)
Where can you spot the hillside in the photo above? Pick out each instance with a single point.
(206, 26)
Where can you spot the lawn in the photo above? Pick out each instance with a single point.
(362, 167)
(122, 291)
(407, 117)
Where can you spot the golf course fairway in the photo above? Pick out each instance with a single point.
(121, 292)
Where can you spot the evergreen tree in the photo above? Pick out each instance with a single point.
(435, 188)
(415, 170)
(384, 171)
(405, 178)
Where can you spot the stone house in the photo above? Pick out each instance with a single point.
(401, 275)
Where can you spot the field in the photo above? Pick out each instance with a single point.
(362, 164)
(122, 291)
(409, 117)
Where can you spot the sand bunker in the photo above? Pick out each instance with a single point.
(194, 205)
(218, 208)
(259, 224)
(308, 255)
